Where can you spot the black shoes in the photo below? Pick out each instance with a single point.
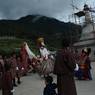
(15, 85)
(19, 82)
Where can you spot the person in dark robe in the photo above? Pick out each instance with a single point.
(64, 69)
(7, 84)
(90, 67)
(13, 63)
(50, 88)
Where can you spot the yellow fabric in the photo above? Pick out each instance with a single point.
(39, 40)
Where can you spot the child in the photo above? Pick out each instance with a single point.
(50, 87)
(7, 85)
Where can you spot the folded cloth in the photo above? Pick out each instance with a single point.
(12, 91)
(77, 67)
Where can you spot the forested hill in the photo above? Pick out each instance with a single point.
(34, 26)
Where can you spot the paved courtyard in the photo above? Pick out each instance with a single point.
(33, 85)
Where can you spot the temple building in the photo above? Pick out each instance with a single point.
(87, 39)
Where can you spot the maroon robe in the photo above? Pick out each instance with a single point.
(24, 59)
(64, 69)
(7, 84)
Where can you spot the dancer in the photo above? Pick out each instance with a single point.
(47, 63)
(24, 58)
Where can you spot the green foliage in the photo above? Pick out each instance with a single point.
(7, 46)
(51, 29)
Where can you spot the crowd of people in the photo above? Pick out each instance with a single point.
(10, 73)
(14, 66)
(66, 64)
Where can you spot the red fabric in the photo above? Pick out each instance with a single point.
(7, 81)
(24, 58)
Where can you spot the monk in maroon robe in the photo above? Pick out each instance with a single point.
(7, 85)
(64, 69)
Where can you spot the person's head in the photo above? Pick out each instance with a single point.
(40, 42)
(7, 66)
(48, 80)
(24, 43)
(65, 42)
(84, 52)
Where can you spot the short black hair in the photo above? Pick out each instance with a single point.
(49, 79)
(65, 42)
(89, 50)
(7, 66)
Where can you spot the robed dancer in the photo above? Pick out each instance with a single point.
(28, 58)
(47, 62)
(24, 58)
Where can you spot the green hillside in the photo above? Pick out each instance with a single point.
(7, 46)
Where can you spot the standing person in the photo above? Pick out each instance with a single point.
(64, 69)
(18, 70)
(89, 64)
(31, 58)
(85, 66)
(13, 62)
(7, 85)
(50, 87)
(24, 58)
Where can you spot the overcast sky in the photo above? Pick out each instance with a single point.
(60, 9)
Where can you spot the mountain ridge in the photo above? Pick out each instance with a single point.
(34, 26)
